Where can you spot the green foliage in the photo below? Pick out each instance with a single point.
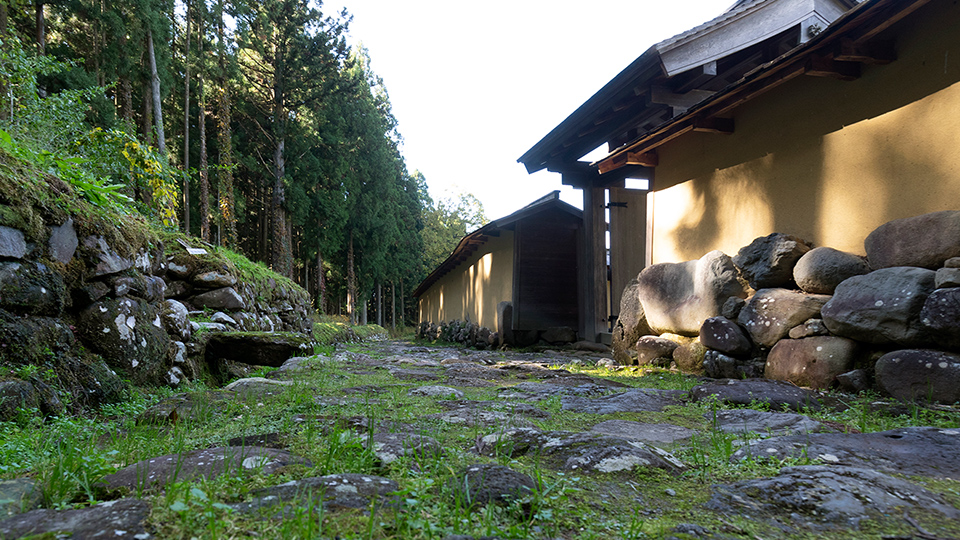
(118, 155)
(42, 124)
(445, 223)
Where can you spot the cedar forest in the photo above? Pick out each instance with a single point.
(250, 124)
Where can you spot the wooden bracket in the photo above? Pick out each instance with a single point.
(826, 66)
(645, 159)
(874, 52)
(714, 125)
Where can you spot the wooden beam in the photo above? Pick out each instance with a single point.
(613, 163)
(645, 159)
(874, 52)
(825, 66)
(714, 125)
(888, 20)
(680, 102)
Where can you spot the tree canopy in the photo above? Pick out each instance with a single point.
(268, 133)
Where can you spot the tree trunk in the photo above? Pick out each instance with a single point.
(41, 34)
(4, 17)
(146, 122)
(126, 101)
(186, 128)
(225, 143)
(379, 304)
(393, 306)
(351, 283)
(281, 257)
(403, 307)
(157, 105)
(321, 284)
(204, 169)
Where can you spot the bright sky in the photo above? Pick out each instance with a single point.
(474, 85)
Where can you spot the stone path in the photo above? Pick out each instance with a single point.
(611, 434)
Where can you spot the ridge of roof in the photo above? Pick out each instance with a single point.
(734, 11)
(550, 200)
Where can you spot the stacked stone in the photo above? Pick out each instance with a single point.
(457, 331)
(816, 317)
(65, 297)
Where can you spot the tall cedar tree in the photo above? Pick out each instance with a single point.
(290, 56)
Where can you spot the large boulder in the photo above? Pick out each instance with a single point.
(101, 259)
(225, 298)
(173, 314)
(941, 315)
(17, 398)
(722, 334)
(813, 362)
(31, 288)
(32, 340)
(721, 366)
(881, 307)
(768, 261)
(821, 269)
(689, 355)
(919, 374)
(678, 297)
(655, 350)
(631, 323)
(925, 241)
(771, 313)
(129, 335)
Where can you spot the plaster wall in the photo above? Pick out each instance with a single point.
(822, 159)
(473, 290)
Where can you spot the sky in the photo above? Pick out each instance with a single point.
(474, 85)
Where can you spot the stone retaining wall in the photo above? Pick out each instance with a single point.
(814, 316)
(80, 316)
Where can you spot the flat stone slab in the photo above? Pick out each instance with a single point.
(520, 409)
(257, 387)
(413, 374)
(18, 495)
(777, 394)
(819, 497)
(347, 491)
(538, 391)
(656, 434)
(187, 407)
(472, 416)
(469, 370)
(208, 463)
(444, 392)
(922, 451)
(587, 452)
(763, 423)
(121, 519)
(390, 447)
(636, 400)
(482, 484)
(580, 380)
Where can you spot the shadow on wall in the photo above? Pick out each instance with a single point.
(822, 159)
